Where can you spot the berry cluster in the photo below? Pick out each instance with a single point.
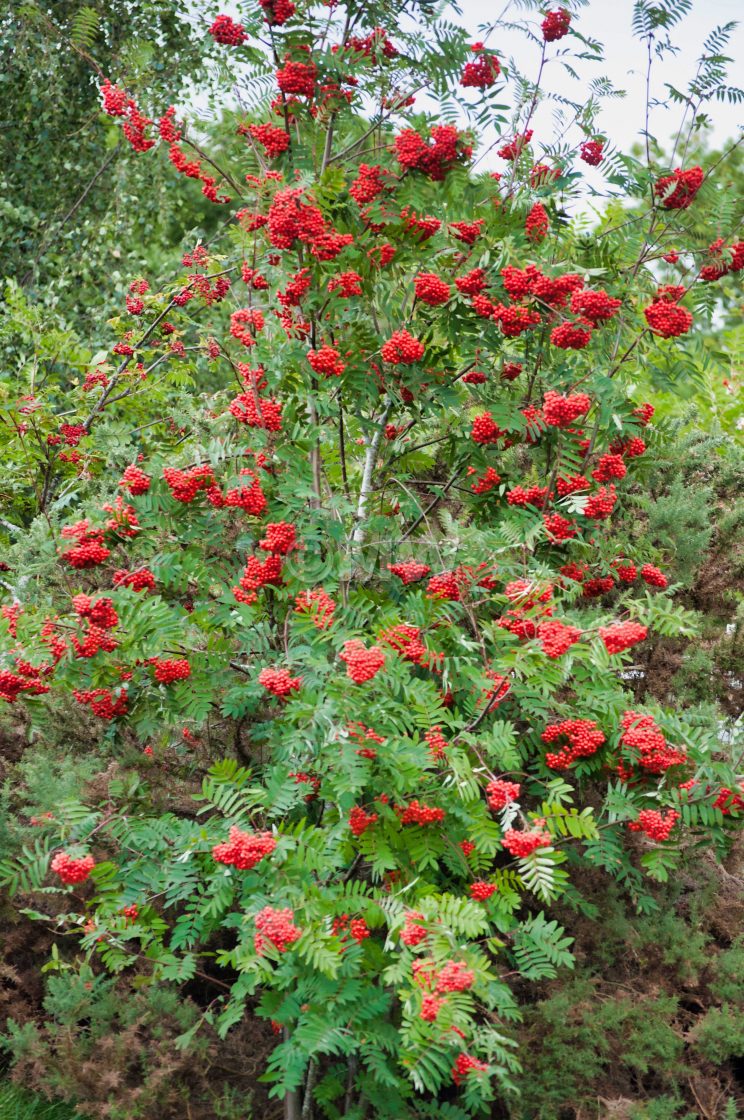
(556, 24)
(402, 349)
(319, 605)
(678, 190)
(622, 635)
(244, 849)
(224, 30)
(556, 637)
(416, 813)
(72, 870)
(480, 891)
(482, 73)
(279, 682)
(360, 820)
(409, 571)
(522, 844)
(89, 550)
(326, 361)
(591, 152)
(362, 664)
(500, 793)
(537, 223)
(656, 825)
(646, 744)
(436, 157)
(429, 288)
(583, 736)
(561, 411)
(135, 481)
(276, 927)
(169, 670)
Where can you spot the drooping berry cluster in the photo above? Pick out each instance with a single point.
(362, 664)
(244, 849)
(622, 635)
(583, 738)
(657, 826)
(276, 927)
(72, 869)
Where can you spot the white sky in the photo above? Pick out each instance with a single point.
(610, 22)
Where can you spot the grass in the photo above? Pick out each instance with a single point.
(16, 1104)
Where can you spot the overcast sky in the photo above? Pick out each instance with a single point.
(610, 22)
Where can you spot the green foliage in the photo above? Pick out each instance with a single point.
(312, 838)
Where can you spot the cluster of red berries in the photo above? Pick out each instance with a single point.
(523, 844)
(118, 103)
(360, 820)
(559, 528)
(135, 481)
(280, 537)
(319, 605)
(276, 927)
(609, 467)
(557, 637)
(297, 78)
(591, 152)
(486, 482)
(664, 314)
(647, 746)
(409, 571)
(184, 485)
(326, 361)
(12, 684)
(244, 849)
(279, 681)
(362, 664)
(485, 430)
(481, 891)
(483, 72)
(561, 411)
(601, 504)
(469, 232)
(500, 793)
(454, 976)
(622, 635)
(556, 24)
(678, 190)
(356, 927)
(413, 933)
(656, 825)
(277, 12)
(274, 140)
(583, 736)
(102, 702)
(571, 336)
(537, 223)
(89, 549)
(256, 574)
(347, 284)
(464, 1065)
(416, 813)
(72, 870)
(168, 670)
(402, 349)
(140, 580)
(257, 412)
(653, 577)
(433, 158)
(429, 288)
(596, 306)
(514, 147)
(224, 30)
